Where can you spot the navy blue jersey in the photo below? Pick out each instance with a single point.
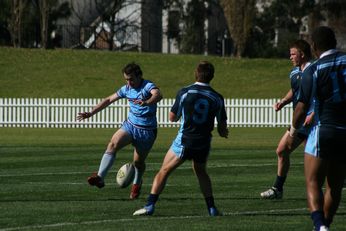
(198, 105)
(296, 78)
(324, 83)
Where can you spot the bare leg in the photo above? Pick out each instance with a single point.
(335, 180)
(283, 152)
(315, 171)
(170, 163)
(203, 179)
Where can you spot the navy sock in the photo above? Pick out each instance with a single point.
(318, 219)
(210, 202)
(328, 221)
(152, 198)
(279, 182)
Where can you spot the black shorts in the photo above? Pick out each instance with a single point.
(197, 155)
(332, 143)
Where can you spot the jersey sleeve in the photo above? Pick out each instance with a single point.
(221, 115)
(122, 92)
(176, 108)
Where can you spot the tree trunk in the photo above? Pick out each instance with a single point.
(239, 16)
(44, 17)
(17, 7)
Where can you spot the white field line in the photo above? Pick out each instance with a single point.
(145, 218)
(148, 169)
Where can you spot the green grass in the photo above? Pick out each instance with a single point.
(43, 184)
(83, 74)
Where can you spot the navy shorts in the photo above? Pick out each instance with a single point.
(186, 153)
(327, 143)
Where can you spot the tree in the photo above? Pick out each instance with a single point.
(17, 8)
(193, 37)
(50, 11)
(5, 15)
(239, 16)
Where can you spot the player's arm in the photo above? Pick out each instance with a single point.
(304, 102)
(155, 97)
(299, 115)
(173, 117)
(99, 107)
(222, 129)
(284, 101)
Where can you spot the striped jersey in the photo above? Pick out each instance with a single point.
(324, 83)
(197, 106)
(142, 116)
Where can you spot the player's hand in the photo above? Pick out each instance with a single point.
(223, 132)
(140, 102)
(83, 115)
(276, 106)
(309, 119)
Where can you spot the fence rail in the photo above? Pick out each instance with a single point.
(61, 113)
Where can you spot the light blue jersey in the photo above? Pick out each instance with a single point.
(141, 116)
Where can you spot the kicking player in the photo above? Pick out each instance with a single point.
(140, 128)
(324, 82)
(300, 56)
(197, 105)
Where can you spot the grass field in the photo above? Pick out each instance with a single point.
(93, 74)
(43, 184)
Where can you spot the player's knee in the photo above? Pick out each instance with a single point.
(140, 165)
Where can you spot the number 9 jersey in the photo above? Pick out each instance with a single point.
(197, 106)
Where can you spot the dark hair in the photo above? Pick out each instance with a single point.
(323, 38)
(302, 46)
(204, 72)
(133, 70)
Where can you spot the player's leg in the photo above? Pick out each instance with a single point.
(170, 163)
(283, 152)
(315, 170)
(143, 141)
(205, 184)
(139, 163)
(334, 184)
(120, 139)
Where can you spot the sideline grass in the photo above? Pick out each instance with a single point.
(94, 74)
(43, 184)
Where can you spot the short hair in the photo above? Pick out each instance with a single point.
(302, 46)
(323, 38)
(204, 72)
(133, 70)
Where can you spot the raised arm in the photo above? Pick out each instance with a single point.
(100, 106)
(155, 97)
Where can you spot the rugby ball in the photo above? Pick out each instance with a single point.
(125, 175)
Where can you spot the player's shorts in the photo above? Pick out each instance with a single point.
(199, 155)
(142, 138)
(327, 143)
(303, 132)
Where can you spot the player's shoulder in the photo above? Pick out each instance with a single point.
(295, 71)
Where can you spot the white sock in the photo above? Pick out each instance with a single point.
(106, 163)
(138, 177)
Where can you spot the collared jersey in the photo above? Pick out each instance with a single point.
(197, 106)
(324, 83)
(142, 116)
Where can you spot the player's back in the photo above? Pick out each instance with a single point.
(331, 89)
(200, 104)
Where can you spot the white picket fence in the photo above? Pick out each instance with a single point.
(61, 113)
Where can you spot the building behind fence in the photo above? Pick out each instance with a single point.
(62, 112)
